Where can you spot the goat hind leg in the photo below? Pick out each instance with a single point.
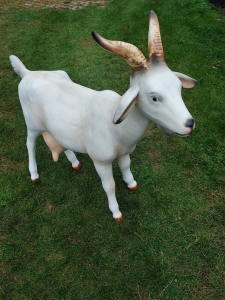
(31, 147)
(108, 183)
(124, 164)
(73, 159)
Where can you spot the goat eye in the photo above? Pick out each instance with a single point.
(154, 99)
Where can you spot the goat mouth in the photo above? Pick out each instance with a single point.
(182, 135)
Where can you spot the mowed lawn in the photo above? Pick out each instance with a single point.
(58, 239)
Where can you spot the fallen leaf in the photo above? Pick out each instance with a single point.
(217, 64)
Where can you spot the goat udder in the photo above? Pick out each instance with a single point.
(55, 147)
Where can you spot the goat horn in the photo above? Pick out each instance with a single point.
(155, 48)
(129, 52)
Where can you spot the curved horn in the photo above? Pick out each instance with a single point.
(155, 48)
(129, 52)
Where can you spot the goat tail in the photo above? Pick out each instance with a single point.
(18, 66)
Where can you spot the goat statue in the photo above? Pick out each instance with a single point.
(104, 124)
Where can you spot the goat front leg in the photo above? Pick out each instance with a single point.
(73, 159)
(31, 147)
(124, 164)
(108, 183)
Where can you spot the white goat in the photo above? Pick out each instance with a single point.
(75, 118)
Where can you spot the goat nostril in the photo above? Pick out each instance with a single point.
(190, 123)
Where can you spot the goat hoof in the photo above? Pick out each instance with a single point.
(34, 180)
(78, 167)
(133, 188)
(120, 219)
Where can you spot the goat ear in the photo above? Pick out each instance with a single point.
(166, 132)
(187, 82)
(126, 104)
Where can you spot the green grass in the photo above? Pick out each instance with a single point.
(58, 239)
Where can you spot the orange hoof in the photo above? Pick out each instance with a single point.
(120, 219)
(78, 167)
(34, 180)
(133, 188)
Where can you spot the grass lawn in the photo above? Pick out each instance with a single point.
(58, 239)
